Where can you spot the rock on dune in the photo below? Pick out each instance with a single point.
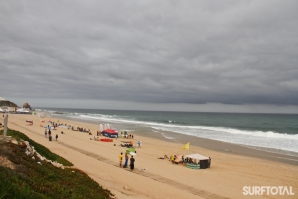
(30, 151)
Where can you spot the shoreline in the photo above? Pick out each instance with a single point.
(100, 161)
(214, 145)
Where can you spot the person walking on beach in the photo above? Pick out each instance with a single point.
(139, 144)
(45, 133)
(132, 163)
(120, 159)
(209, 162)
(56, 137)
(126, 161)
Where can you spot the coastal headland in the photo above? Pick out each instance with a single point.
(232, 168)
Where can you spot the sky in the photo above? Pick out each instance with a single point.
(219, 56)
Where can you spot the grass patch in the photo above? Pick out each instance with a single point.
(45, 152)
(25, 178)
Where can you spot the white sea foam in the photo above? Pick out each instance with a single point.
(180, 128)
(166, 136)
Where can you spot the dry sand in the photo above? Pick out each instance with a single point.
(160, 179)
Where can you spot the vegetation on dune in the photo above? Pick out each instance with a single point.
(43, 151)
(22, 177)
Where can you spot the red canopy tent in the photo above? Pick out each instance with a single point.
(110, 133)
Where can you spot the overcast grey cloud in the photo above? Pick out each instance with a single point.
(186, 52)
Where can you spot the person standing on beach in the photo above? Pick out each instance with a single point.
(120, 159)
(209, 162)
(56, 137)
(132, 163)
(139, 144)
(126, 161)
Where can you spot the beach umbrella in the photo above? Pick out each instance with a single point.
(186, 146)
(130, 150)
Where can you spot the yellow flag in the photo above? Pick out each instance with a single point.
(186, 146)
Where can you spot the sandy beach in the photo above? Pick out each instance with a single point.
(230, 170)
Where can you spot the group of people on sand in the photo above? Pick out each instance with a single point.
(55, 125)
(125, 135)
(48, 133)
(184, 161)
(128, 145)
(81, 129)
(131, 164)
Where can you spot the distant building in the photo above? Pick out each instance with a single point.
(12, 109)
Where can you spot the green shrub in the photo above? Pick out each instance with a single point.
(45, 152)
(31, 180)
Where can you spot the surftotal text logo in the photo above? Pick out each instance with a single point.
(268, 190)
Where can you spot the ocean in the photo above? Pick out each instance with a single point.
(272, 132)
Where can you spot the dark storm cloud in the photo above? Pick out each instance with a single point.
(234, 52)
